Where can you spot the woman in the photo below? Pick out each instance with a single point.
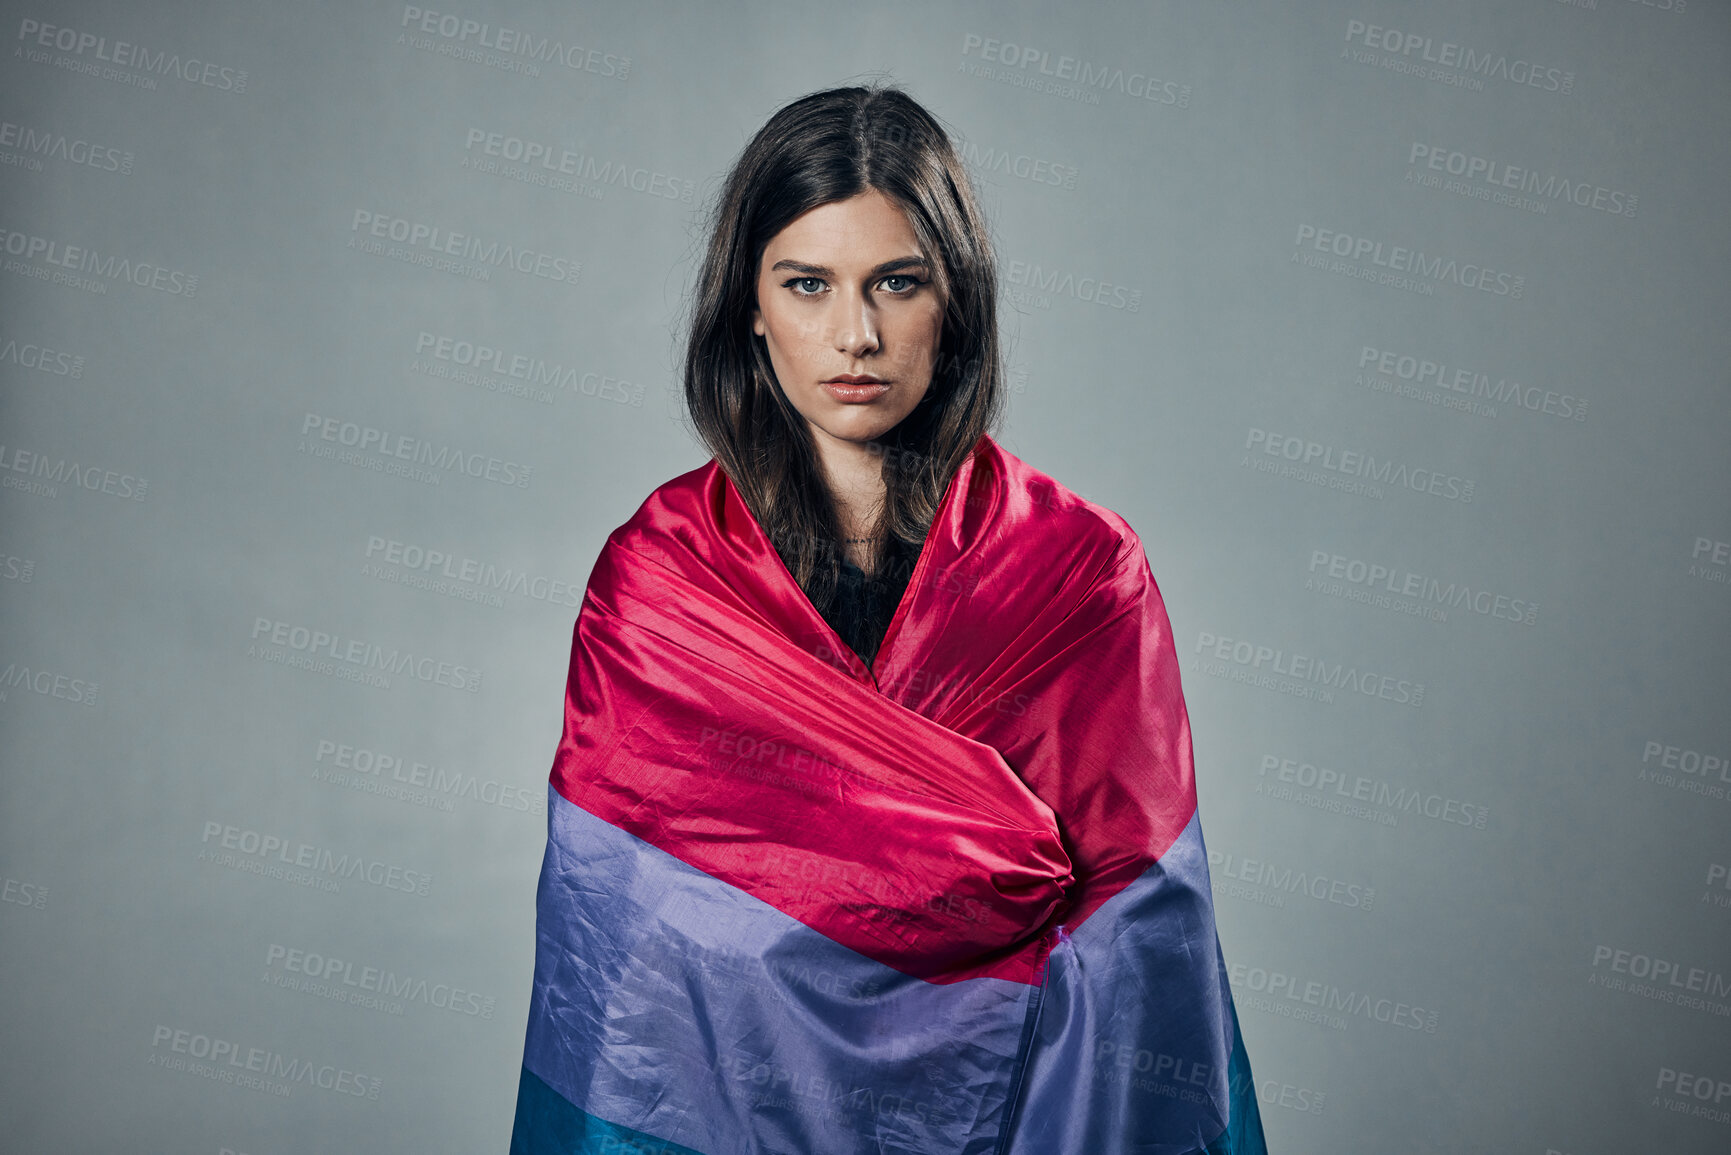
(872, 828)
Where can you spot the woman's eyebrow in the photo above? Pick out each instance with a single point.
(821, 271)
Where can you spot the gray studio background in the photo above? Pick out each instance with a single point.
(334, 339)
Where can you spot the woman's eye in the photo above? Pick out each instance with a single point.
(806, 286)
(899, 283)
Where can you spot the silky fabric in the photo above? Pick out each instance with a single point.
(953, 900)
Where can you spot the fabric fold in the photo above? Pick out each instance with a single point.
(794, 903)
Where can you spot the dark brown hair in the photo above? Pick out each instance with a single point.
(822, 148)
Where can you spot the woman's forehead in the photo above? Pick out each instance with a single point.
(860, 230)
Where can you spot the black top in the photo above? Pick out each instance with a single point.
(861, 610)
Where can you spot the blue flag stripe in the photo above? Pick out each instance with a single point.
(546, 1123)
(687, 1012)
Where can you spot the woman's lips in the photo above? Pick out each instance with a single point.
(849, 393)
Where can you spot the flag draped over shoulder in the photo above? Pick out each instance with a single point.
(957, 902)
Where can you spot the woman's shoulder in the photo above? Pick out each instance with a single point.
(1074, 557)
(1046, 512)
(673, 518)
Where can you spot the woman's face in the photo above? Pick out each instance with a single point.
(852, 318)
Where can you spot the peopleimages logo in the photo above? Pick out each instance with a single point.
(488, 368)
(42, 476)
(1298, 674)
(1373, 800)
(370, 447)
(1681, 768)
(369, 987)
(1169, 1076)
(21, 893)
(1268, 884)
(1399, 589)
(1447, 61)
(1718, 879)
(42, 359)
(357, 764)
(1672, 981)
(1023, 66)
(86, 49)
(271, 855)
(47, 683)
(1348, 470)
(17, 569)
(1398, 265)
(84, 268)
(434, 246)
(498, 370)
(1702, 1096)
(448, 572)
(1515, 185)
(1033, 169)
(1661, 980)
(1417, 377)
(257, 1068)
(540, 163)
(351, 658)
(485, 43)
(780, 1086)
(1711, 560)
(1291, 996)
(33, 145)
(1294, 1098)
(1032, 283)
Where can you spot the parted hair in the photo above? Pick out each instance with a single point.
(821, 148)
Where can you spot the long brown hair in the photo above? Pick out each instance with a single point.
(827, 147)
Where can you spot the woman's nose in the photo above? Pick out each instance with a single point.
(856, 332)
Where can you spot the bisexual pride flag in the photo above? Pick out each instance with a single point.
(955, 902)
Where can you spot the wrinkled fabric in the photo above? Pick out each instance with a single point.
(955, 900)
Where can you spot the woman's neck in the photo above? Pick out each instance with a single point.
(856, 485)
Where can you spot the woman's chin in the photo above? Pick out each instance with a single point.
(851, 424)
